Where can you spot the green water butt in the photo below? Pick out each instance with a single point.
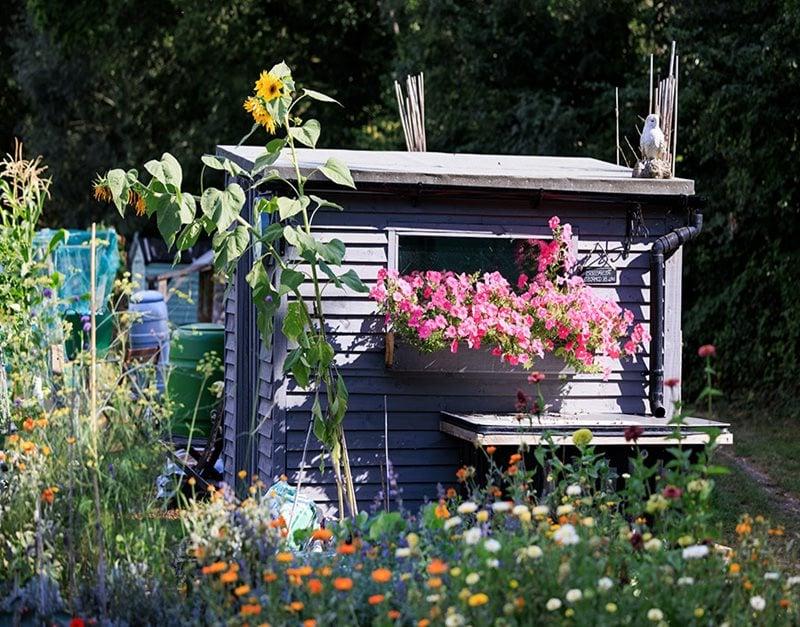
(196, 352)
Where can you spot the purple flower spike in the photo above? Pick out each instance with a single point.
(47, 292)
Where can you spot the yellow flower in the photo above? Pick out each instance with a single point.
(268, 86)
(478, 599)
(582, 437)
(256, 107)
(242, 474)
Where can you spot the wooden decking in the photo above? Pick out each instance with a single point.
(608, 429)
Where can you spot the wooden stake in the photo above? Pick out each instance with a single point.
(650, 107)
(93, 319)
(616, 113)
(675, 128)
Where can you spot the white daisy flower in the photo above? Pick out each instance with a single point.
(451, 522)
(574, 595)
(473, 535)
(574, 490)
(553, 604)
(758, 603)
(467, 507)
(694, 552)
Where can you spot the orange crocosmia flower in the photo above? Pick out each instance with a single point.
(48, 495)
(343, 584)
(437, 567)
(296, 606)
(491, 450)
(375, 599)
(230, 576)
(461, 473)
(269, 576)
(240, 591)
(322, 534)
(381, 575)
(393, 614)
(441, 510)
(213, 569)
(516, 457)
(284, 557)
(315, 586)
(29, 424)
(346, 548)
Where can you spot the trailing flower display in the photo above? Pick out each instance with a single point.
(551, 312)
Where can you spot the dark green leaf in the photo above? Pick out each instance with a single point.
(59, 236)
(189, 235)
(295, 320)
(332, 252)
(352, 280)
(229, 246)
(291, 280)
(273, 232)
(321, 202)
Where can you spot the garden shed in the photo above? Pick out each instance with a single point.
(434, 211)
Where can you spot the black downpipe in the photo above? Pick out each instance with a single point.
(662, 247)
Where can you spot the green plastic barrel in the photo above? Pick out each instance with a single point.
(78, 339)
(195, 365)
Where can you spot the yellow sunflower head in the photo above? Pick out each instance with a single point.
(268, 86)
(256, 107)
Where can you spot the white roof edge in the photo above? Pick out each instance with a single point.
(568, 174)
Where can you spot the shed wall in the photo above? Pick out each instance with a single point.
(413, 397)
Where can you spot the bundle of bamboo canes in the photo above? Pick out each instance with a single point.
(412, 112)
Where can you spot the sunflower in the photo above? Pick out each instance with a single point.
(268, 86)
(102, 192)
(256, 107)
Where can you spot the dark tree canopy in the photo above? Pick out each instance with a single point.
(120, 82)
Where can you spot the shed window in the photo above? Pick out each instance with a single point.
(506, 255)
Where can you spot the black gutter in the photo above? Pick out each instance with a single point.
(663, 247)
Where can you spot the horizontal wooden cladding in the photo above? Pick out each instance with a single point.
(372, 474)
(499, 403)
(447, 457)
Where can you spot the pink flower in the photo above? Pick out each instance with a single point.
(672, 492)
(536, 377)
(707, 350)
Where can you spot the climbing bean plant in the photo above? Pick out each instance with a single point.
(275, 277)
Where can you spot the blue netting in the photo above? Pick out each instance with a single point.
(71, 259)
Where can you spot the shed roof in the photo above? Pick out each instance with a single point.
(568, 174)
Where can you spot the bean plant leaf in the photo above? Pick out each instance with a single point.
(295, 320)
(222, 207)
(337, 172)
(320, 430)
(308, 134)
(321, 202)
(59, 236)
(273, 232)
(288, 207)
(332, 252)
(291, 280)
(316, 95)
(353, 281)
(229, 246)
(189, 235)
(330, 273)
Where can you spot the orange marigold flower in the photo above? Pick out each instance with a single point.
(49, 495)
(743, 528)
(346, 548)
(41, 423)
(321, 534)
(777, 531)
(375, 599)
(28, 447)
(315, 586)
(437, 567)
(310, 622)
(784, 603)
(491, 450)
(747, 585)
(734, 569)
(284, 557)
(269, 576)
(250, 609)
(516, 457)
(278, 523)
(230, 576)
(240, 591)
(441, 510)
(423, 622)
(29, 424)
(213, 569)
(382, 575)
(343, 584)
(435, 582)
(296, 606)
(393, 614)
(325, 571)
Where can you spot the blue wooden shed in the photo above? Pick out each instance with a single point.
(416, 210)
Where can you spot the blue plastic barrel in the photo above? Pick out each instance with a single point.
(151, 328)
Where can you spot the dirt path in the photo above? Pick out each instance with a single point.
(784, 501)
